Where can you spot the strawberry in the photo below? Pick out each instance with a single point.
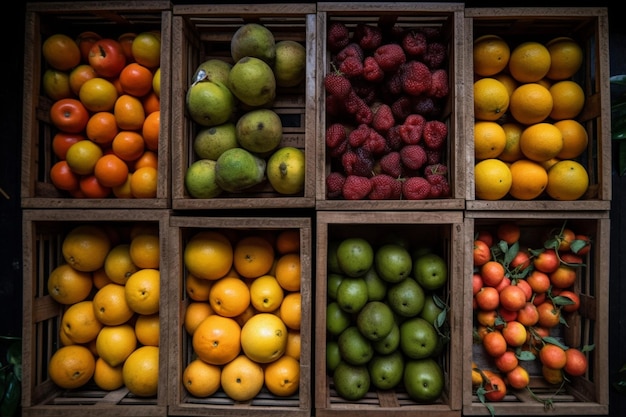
(416, 188)
(435, 169)
(413, 156)
(391, 164)
(357, 162)
(434, 134)
(383, 119)
(356, 187)
(337, 84)
(389, 56)
(416, 78)
(385, 187)
(337, 36)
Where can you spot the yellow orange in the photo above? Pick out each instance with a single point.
(115, 343)
(217, 339)
(141, 371)
(100, 278)
(201, 379)
(509, 82)
(253, 256)
(531, 103)
(288, 241)
(107, 377)
(529, 179)
(489, 140)
(56, 84)
(195, 313)
(144, 181)
(529, 62)
(266, 294)
(110, 305)
(566, 58)
(512, 151)
(490, 55)
(61, 52)
(143, 291)
(575, 138)
(119, 265)
(129, 112)
(569, 99)
(294, 344)
(242, 379)
(541, 141)
(71, 366)
(85, 247)
(288, 271)
(291, 310)
(282, 377)
(148, 329)
(492, 179)
(208, 255)
(229, 296)
(144, 250)
(197, 289)
(79, 75)
(67, 285)
(491, 99)
(79, 322)
(568, 180)
(264, 338)
(98, 94)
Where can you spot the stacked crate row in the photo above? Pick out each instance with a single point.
(194, 33)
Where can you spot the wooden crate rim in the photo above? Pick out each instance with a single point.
(243, 10)
(381, 7)
(539, 12)
(118, 6)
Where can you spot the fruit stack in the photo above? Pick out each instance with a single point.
(535, 289)
(388, 85)
(238, 73)
(102, 314)
(96, 84)
(386, 342)
(242, 307)
(538, 126)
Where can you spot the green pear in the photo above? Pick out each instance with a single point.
(213, 69)
(237, 169)
(253, 39)
(290, 65)
(259, 130)
(210, 103)
(252, 81)
(200, 179)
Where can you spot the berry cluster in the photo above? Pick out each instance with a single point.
(384, 99)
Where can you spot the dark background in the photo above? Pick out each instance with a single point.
(11, 81)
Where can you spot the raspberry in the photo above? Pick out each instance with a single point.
(416, 188)
(383, 119)
(357, 162)
(393, 84)
(391, 164)
(372, 71)
(423, 105)
(435, 169)
(356, 187)
(416, 78)
(385, 187)
(401, 108)
(338, 36)
(367, 36)
(352, 49)
(389, 56)
(334, 184)
(335, 135)
(433, 156)
(413, 156)
(439, 84)
(375, 143)
(394, 139)
(353, 102)
(434, 134)
(358, 136)
(439, 186)
(363, 113)
(414, 43)
(337, 85)
(435, 55)
(412, 128)
(352, 67)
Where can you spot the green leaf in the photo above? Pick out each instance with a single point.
(562, 300)
(554, 341)
(619, 79)
(525, 355)
(11, 398)
(577, 245)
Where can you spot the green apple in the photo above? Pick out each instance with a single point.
(431, 310)
(375, 320)
(351, 381)
(423, 380)
(418, 338)
(406, 298)
(332, 283)
(352, 294)
(389, 343)
(393, 262)
(376, 287)
(333, 357)
(386, 370)
(430, 271)
(354, 348)
(337, 320)
(355, 256)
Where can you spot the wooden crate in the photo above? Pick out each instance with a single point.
(43, 233)
(448, 17)
(202, 32)
(433, 229)
(584, 395)
(181, 402)
(109, 19)
(589, 27)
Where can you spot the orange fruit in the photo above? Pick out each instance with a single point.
(529, 179)
(67, 285)
(136, 79)
(146, 49)
(291, 310)
(98, 94)
(487, 299)
(217, 339)
(151, 102)
(509, 82)
(144, 250)
(129, 112)
(56, 84)
(518, 377)
(115, 343)
(507, 361)
(143, 291)
(156, 82)
(575, 138)
(481, 253)
(90, 187)
(490, 55)
(541, 141)
(148, 329)
(492, 273)
(79, 75)
(208, 255)
(294, 344)
(489, 140)
(288, 271)
(102, 128)
(242, 379)
(128, 145)
(282, 377)
(150, 130)
(539, 281)
(119, 265)
(549, 315)
(531, 103)
(512, 152)
(264, 337)
(288, 241)
(147, 159)
(568, 98)
(197, 289)
(266, 294)
(79, 322)
(110, 305)
(477, 378)
(492, 179)
(143, 182)
(552, 376)
(61, 52)
(195, 312)
(494, 343)
(126, 40)
(568, 180)
(107, 377)
(512, 298)
(566, 58)
(71, 366)
(563, 277)
(69, 115)
(100, 278)
(63, 178)
(201, 379)
(229, 296)
(62, 141)
(141, 371)
(111, 171)
(123, 191)
(85, 41)
(491, 99)
(85, 247)
(552, 356)
(253, 256)
(529, 62)
(576, 362)
(83, 156)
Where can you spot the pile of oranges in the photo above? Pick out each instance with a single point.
(244, 312)
(526, 133)
(109, 287)
(521, 297)
(105, 109)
